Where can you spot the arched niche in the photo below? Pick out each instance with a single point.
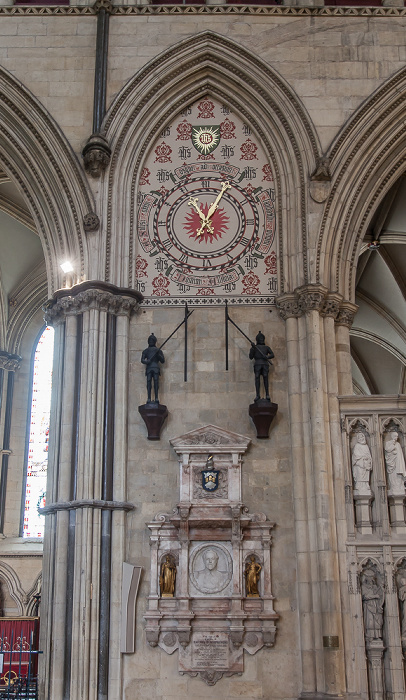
(203, 66)
(366, 159)
(37, 157)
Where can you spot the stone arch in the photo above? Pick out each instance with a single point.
(37, 157)
(16, 591)
(366, 159)
(209, 64)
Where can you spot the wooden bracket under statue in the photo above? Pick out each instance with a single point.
(262, 413)
(153, 415)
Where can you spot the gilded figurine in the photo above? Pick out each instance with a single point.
(167, 578)
(252, 572)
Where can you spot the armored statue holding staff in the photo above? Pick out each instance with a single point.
(262, 356)
(151, 357)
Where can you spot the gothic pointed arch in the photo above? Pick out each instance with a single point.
(366, 159)
(37, 157)
(16, 591)
(209, 64)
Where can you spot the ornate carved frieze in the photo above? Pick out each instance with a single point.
(210, 594)
(9, 362)
(90, 295)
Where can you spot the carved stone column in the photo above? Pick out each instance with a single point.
(8, 365)
(310, 313)
(84, 544)
(344, 321)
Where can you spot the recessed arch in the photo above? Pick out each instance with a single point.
(13, 582)
(37, 157)
(209, 64)
(366, 159)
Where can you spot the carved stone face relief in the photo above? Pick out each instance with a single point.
(210, 569)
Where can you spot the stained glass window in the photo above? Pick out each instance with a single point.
(39, 435)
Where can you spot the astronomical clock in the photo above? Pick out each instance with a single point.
(206, 213)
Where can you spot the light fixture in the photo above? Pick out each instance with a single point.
(67, 267)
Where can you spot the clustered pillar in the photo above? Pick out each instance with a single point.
(84, 536)
(312, 316)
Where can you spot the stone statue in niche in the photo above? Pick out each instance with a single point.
(252, 572)
(167, 578)
(401, 581)
(262, 354)
(151, 357)
(361, 460)
(372, 605)
(211, 569)
(395, 464)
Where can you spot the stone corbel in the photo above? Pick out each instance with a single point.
(184, 636)
(152, 636)
(236, 636)
(269, 635)
(320, 180)
(96, 155)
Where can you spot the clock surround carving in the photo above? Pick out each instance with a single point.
(217, 611)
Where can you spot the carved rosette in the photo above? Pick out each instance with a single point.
(91, 222)
(9, 362)
(90, 295)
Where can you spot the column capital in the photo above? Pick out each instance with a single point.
(288, 306)
(9, 361)
(316, 297)
(346, 314)
(93, 294)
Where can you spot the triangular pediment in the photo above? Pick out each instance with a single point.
(212, 438)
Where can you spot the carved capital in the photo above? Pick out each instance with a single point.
(346, 314)
(312, 297)
(96, 155)
(331, 306)
(103, 5)
(91, 295)
(9, 362)
(288, 306)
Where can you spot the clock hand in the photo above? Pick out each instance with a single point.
(193, 203)
(206, 223)
(225, 186)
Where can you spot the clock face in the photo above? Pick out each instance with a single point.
(206, 219)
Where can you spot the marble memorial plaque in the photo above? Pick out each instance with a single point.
(210, 650)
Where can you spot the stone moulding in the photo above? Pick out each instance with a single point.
(252, 9)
